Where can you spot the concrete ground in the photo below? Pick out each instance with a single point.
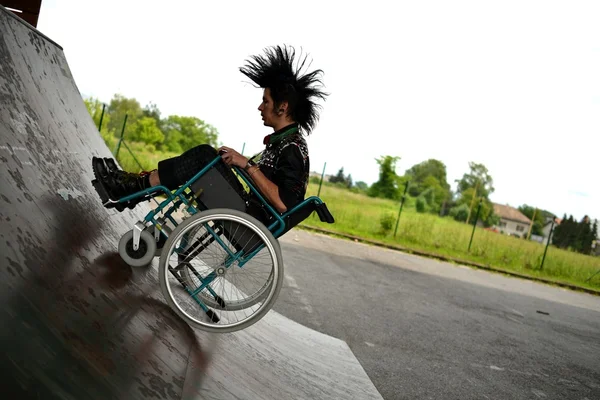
(431, 330)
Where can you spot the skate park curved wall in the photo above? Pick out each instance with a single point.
(80, 323)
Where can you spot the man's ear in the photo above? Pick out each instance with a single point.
(283, 107)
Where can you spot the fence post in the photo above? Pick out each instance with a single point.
(121, 138)
(321, 182)
(475, 223)
(401, 205)
(547, 243)
(101, 118)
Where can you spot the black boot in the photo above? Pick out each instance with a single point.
(123, 183)
(116, 184)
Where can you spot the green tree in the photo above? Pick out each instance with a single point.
(585, 236)
(339, 177)
(476, 184)
(419, 173)
(146, 130)
(486, 213)
(565, 234)
(119, 107)
(173, 141)
(387, 185)
(94, 107)
(362, 186)
(559, 233)
(477, 177)
(538, 222)
(421, 204)
(192, 132)
(459, 212)
(151, 110)
(574, 235)
(434, 193)
(594, 234)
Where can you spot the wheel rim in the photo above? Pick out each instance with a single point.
(248, 291)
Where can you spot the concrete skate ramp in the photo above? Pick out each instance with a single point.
(79, 323)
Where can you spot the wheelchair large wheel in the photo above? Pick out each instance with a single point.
(221, 270)
(191, 280)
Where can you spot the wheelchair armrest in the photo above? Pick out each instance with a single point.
(324, 214)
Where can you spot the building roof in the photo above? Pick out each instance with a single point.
(510, 213)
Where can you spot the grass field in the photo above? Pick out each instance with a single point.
(360, 215)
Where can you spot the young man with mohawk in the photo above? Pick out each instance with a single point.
(281, 175)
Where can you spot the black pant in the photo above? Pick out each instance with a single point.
(176, 171)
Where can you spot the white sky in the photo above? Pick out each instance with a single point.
(514, 85)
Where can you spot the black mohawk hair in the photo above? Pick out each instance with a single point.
(276, 70)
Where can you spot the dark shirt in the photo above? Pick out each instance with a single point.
(286, 163)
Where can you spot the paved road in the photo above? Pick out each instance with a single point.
(430, 330)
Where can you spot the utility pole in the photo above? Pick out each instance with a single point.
(531, 225)
(472, 201)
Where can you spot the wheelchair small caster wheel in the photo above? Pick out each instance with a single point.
(145, 252)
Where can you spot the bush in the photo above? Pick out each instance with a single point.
(421, 204)
(387, 223)
(315, 179)
(460, 213)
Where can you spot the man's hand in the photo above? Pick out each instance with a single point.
(232, 157)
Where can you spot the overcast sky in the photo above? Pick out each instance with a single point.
(514, 85)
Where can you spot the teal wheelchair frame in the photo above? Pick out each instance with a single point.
(150, 237)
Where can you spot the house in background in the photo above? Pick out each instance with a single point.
(512, 221)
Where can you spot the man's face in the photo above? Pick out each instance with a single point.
(266, 108)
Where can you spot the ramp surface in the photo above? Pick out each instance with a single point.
(79, 323)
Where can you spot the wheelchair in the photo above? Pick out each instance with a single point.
(220, 268)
